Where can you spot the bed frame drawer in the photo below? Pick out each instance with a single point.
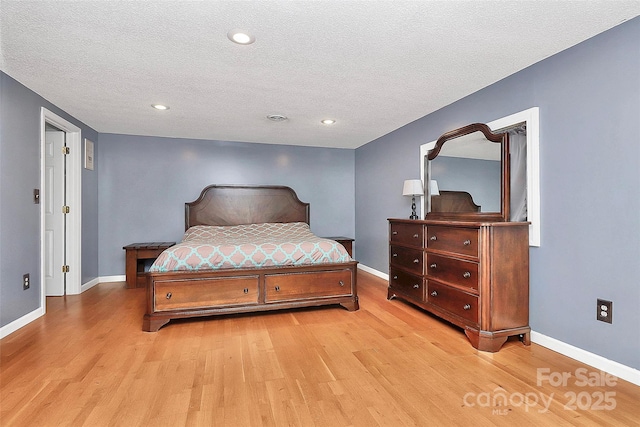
(223, 291)
(284, 287)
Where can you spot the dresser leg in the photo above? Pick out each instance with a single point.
(484, 343)
(152, 324)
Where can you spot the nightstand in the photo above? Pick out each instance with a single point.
(344, 241)
(136, 255)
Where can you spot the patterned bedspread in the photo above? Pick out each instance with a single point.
(251, 245)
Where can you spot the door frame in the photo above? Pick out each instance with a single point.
(74, 200)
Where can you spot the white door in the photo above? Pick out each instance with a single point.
(54, 200)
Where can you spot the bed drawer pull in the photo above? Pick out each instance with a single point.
(467, 307)
(466, 275)
(277, 288)
(433, 238)
(434, 294)
(341, 283)
(169, 295)
(246, 290)
(466, 242)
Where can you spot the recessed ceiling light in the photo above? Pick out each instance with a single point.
(160, 106)
(277, 117)
(240, 37)
(327, 121)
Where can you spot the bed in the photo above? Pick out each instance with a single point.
(188, 280)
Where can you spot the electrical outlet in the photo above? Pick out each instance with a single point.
(605, 311)
(25, 282)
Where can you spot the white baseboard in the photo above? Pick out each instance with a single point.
(19, 323)
(621, 371)
(119, 278)
(90, 284)
(40, 311)
(370, 270)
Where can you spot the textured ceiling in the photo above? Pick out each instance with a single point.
(374, 66)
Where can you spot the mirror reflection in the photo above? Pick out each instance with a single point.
(469, 164)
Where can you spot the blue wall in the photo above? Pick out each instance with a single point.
(589, 99)
(19, 216)
(480, 178)
(145, 182)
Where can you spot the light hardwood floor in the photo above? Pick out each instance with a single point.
(88, 363)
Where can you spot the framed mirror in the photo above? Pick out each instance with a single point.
(524, 143)
(467, 175)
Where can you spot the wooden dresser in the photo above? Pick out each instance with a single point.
(472, 274)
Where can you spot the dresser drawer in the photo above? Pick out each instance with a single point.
(408, 234)
(463, 273)
(406, 283)
(457, 302)
(171, 295)
(456, 240)
(407, 258)
(283, 287)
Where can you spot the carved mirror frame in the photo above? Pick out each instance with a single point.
(531, 119)
(498, 138)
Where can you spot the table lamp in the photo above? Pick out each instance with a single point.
(413, 188)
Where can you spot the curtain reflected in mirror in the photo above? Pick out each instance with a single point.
(518, 154)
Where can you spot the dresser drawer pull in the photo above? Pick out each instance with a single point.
(395, 277)
(434, 265)
(395, 255)
(416, 261)
(341, 283)
(395, 233)
(433, 238)
(467, 307)
(434, 294)
(415, 236)
(416, 286)
(277, 288)
(169, 295)
(466, 242)
(246, 290)
(466, 275)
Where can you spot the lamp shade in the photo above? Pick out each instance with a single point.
(412, 187)
(434, 188)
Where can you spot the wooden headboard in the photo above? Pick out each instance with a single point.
(245, 204)
(453, 201)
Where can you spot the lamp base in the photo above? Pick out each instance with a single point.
(413, 209)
